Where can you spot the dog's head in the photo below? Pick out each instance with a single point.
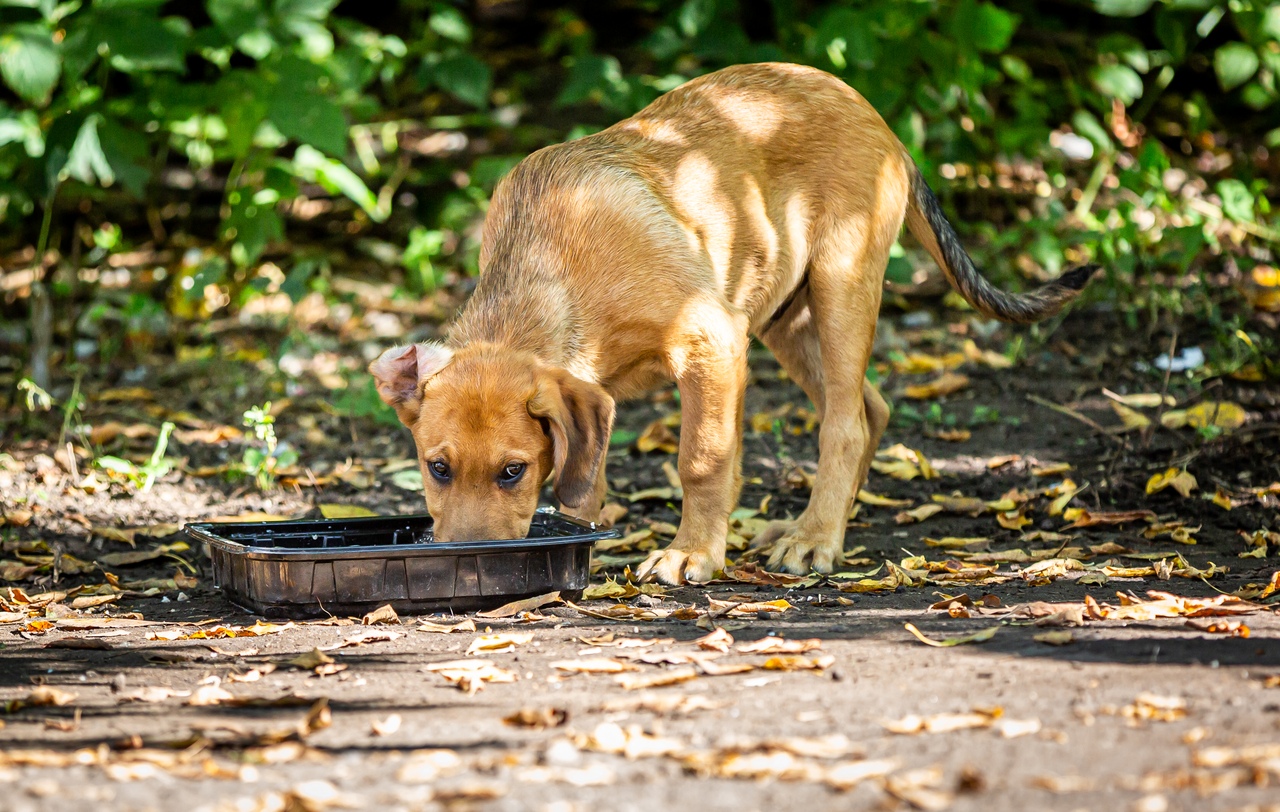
(491, 424)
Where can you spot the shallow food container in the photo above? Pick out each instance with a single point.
(351, 566)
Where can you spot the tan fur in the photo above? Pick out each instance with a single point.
(651, 252)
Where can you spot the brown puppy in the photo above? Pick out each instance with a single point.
(759, 200)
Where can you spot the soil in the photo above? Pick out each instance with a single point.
(1092, 749)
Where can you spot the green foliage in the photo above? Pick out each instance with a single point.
(142, 476)
(262, 461)
(277, 100)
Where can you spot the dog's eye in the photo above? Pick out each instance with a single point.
(512, 473)
(439, 469)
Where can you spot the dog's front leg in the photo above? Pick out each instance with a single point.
(711, 371)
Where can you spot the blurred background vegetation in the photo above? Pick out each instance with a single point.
(172, 169)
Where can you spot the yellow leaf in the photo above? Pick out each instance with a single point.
(981, 636)
(1223, 414)
(498, 642)
(953, 543)
(989, 358)
(1132, 420)
(917, 363)
(898, 469)
(1013, 520)
(918, 514)
(345, 511)
(657, 436)
(947, 384)
(1051, 469)
(868, 498)
(1222, 499)
(1142, 400)
(1181, 481)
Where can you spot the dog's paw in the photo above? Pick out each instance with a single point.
(797, 551)
(674, 566)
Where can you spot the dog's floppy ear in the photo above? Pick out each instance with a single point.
(400, 372)
(580, 418)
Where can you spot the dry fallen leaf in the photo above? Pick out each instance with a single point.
(918, 514)
(425, 766)
(779, 645)
(868, 498)
(658, 436)
(382, 615)
(593, 665)
(1231, 628)
(1178, 479)
(151, 693)
(943, 722)
(946, 384)
(526, 605)
(980, 636)
(1223, 414)
(732, 608)
(385, 727)
(919, 789)
(496, 643)
(310, 660)
(470, 675)
(719, 640)
(538, 718)
(796, 662)
(1132, 420)
(425, 625)
(675, 676)
(1079, 517)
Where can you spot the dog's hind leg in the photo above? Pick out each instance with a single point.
(793, 340)
(845, 282)
(710, 366)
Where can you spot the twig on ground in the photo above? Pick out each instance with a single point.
(1088, 421)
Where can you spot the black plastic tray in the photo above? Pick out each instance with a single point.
(350, 566)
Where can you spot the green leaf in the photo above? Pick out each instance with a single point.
(244, 22)
(465, 77)
(311, 164)
(86, 162)
(983, 26)
(1271, 21)
(29, 62)
(314, 10)
(1122, 8)
(1237, 201)
(1235, 63)
(298, 108)
(1084, 123)
(23, 128)
(135, 40)
(1117, 82)
(450, 24)
(242, 96)
(250, 227)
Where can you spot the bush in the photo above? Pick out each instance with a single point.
(271, 101)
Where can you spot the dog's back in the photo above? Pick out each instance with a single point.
(720, 186)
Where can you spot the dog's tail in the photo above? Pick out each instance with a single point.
(929, 225)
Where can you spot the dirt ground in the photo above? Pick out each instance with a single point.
(1070, 704)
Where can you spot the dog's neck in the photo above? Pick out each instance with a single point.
(533, 316)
